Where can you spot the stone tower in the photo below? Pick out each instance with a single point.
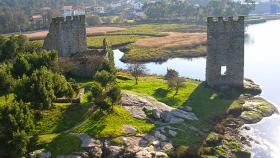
(67, 35)
(225, 58)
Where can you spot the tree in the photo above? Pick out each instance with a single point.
(42, 88)
(136, 70)
(105, 99)
(16, 122)
(6, 81)
(93, 20)
(171, 74)
(174, 81)
(27, 63)
(104, 78)
(176, 84)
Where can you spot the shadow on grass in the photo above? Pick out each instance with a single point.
(71, 117)
(210, 107)
(162, 95)
(95, 124)
(64, 144)
(160, 92)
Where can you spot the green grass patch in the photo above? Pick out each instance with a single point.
(45, 139)
(157, 87)
(207, 104)
(61, 117)
(141, 54)
(111, 125)
(64, 144)
(113, 40)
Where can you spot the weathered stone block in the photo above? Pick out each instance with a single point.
(67, 35)
(225, 52)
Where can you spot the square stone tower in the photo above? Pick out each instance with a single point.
(67, 35)
(225, 58)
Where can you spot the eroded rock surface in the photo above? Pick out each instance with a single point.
(139, 104)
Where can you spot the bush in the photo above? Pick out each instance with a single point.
(42, 88)
(16, 122)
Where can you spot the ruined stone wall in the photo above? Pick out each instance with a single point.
(67, 35)
(225, 49)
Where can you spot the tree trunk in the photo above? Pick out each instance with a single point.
(136, 80)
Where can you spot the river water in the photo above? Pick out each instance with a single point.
(262, 64)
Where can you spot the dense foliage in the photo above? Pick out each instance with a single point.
(42, 88)
(16, 121)
(28, 62)
(104, 91)
(6, 80)
(185, 10)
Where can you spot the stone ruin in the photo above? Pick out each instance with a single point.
(67, 35)
(225, 59)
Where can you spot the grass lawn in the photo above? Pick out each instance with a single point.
(63, 144)
(141, 54)
(111, 125)
(61, 117)
(207, 104)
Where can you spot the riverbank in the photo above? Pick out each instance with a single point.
(152, 121)
(220, 137)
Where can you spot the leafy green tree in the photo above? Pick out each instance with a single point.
(171, 74)
(174, 81)
(176, 84)
(27, 63)
(104, 78)
(6, 81)
(114, 94)
(9, 50)
(16, 121)
(96, 90)
(42, 88)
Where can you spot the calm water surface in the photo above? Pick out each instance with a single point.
(262, 64)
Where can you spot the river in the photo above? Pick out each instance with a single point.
(262, 64)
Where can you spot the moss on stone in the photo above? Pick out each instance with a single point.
(213, 139)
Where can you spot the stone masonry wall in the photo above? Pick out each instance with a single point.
(67, 35)
(225, 49)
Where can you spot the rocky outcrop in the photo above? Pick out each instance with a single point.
(255, 109)
(139, 105)
(250, 88)
(87, 141)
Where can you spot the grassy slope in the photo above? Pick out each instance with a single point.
(206, 104)
(61, 117)
(63, 144)
(111, 125)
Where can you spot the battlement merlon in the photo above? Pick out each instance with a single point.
(221, 19)
(69, 18)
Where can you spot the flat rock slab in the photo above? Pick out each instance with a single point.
(87, 141)
(135, 103)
